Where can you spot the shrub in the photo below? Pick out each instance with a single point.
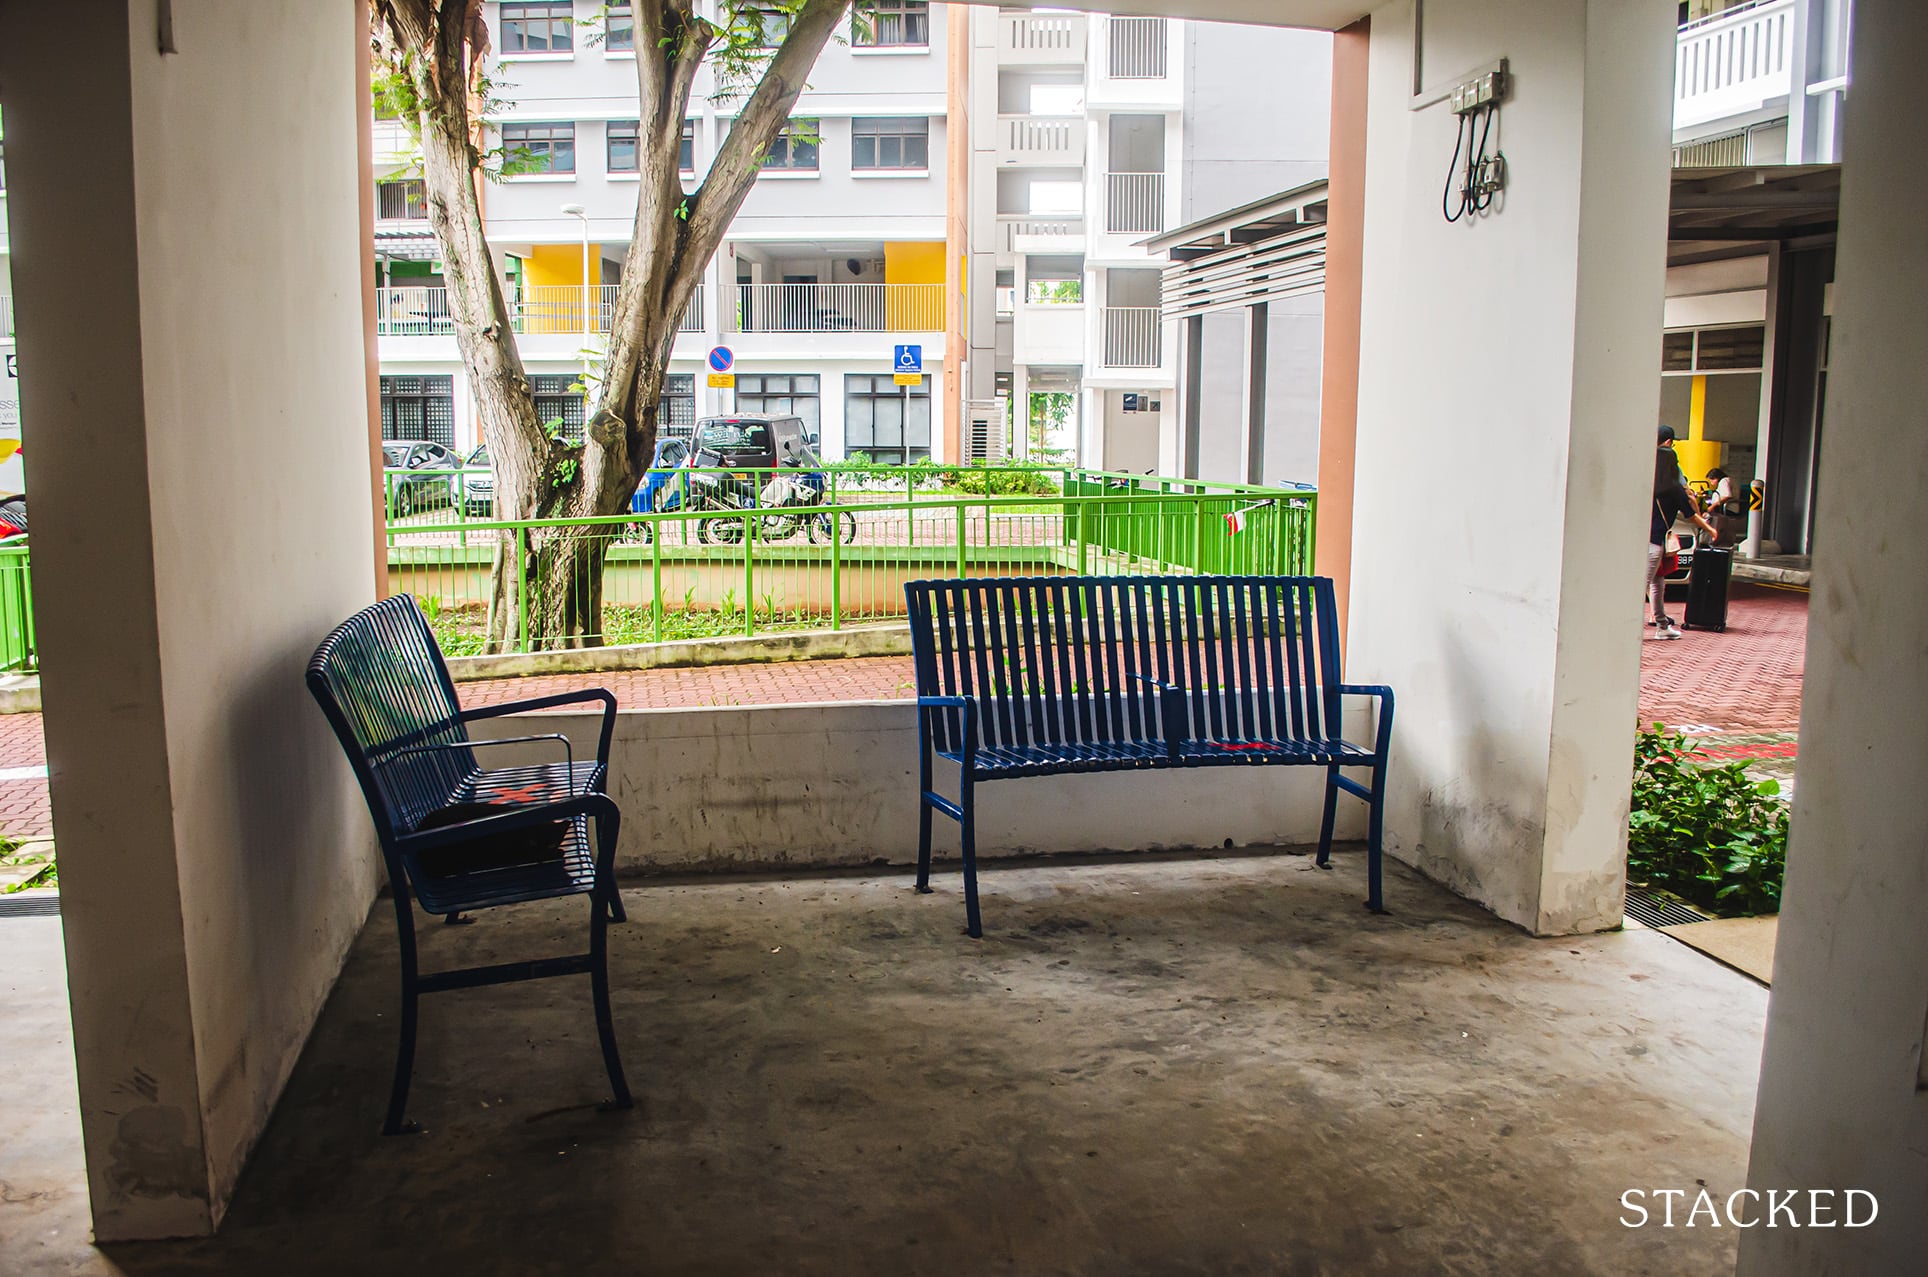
(1709, 833)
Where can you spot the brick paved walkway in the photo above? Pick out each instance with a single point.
(1740, 690)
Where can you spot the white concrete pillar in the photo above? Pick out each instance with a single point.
(1843, 1099)
(191, 294)
(1252, 385)
(1506, 406)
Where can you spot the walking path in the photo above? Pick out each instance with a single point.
(1740, 691)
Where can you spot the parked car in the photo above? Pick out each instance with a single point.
(409, 490)
(478, 487)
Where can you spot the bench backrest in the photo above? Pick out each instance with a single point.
(1056, 660)
(381, 681)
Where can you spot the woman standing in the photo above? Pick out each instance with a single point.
(1671, 501)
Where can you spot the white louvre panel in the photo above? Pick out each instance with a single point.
(984, 431)
(1284, 266)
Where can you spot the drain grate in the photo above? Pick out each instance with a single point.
(1660, 911)
(30, 904)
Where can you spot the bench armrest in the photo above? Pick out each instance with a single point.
(607, 698)
(600, 806)
(950, 702)
(1384, 695)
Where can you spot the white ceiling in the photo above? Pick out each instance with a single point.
(1323, 15)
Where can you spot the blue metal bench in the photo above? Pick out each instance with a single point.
(460, 836)
(1039, 676)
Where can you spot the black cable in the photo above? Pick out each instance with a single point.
(1462, 131)
(1479, 199)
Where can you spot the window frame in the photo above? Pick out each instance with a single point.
(903, 12)
(768, 14)
(611, 12)
(610, 138)
(790, 145)
(871, 129)
(874, 388)
(552, 389)
(754, 395)
(549, 141)
(559, 15)
(427, 392)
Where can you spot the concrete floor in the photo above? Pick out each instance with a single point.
(1214, 1066)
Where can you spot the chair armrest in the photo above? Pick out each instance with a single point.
(1158, 683)
(568, 750)
(606, 697)
(601, 806)
(1384, 696)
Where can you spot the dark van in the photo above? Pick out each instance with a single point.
(753, 442)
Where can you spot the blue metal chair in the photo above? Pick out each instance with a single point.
(459, 836)
(1042, 676)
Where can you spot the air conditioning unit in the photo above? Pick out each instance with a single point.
(985, 426)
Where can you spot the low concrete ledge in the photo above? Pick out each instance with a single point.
(785, 787)
(1748, 570)
(892, 639)
(20, 694)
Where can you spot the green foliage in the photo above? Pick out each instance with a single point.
(11, 855)
(981, 480)
(459, 631)
(1706, 832)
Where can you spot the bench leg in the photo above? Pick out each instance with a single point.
(1331, 812)
(1375, 839)
(973, 923)
(923, 817)
(395, 1124)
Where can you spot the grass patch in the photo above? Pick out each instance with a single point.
(461, 631)
(11, 855)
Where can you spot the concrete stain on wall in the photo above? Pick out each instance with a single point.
(154, 1154)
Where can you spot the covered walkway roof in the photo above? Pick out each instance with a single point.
(1754, 203)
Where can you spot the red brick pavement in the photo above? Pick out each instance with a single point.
(1746, 679)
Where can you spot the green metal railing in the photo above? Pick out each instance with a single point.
(707, 573)
(18, 651)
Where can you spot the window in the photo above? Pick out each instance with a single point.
(419, 408)
(768, 26)
(795, 148)
(538, 148)
(406, 199)
(686, 154)
(622, 146)
(538, 28)
(555, 400)
(892, 24)
(619, 29)
(890, 142)
(887, 422)
(676, 408)
(784, 395)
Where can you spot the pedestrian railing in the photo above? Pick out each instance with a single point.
(710, 573)
(18, 651)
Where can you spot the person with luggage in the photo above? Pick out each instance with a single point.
(1671, 501)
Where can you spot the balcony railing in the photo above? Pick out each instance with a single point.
(1733, 62)
(1132, 337)
(402, 311)
(1041, 38)
(1041, 139)
(1042, 232)
(1137, 49)
(838, 308)
(1134, 203)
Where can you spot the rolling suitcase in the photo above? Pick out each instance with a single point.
(1707, 589)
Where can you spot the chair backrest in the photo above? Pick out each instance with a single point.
(1051, 661)
(381, 681)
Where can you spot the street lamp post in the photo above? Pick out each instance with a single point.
(577, 211)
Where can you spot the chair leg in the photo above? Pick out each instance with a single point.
(923, 817)
(1331, 811)
(599, 990)
(967, 828)
(395, 1124)
(1375, 839)
(616, 911)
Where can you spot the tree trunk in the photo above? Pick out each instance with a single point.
(558, 579)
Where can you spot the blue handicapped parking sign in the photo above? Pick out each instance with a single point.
(908, 359)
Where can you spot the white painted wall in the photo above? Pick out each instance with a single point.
(817, 785)
(1508, 624)
(215, 858)
(1844, 1080)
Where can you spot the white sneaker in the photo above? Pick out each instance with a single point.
(1666, 629)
